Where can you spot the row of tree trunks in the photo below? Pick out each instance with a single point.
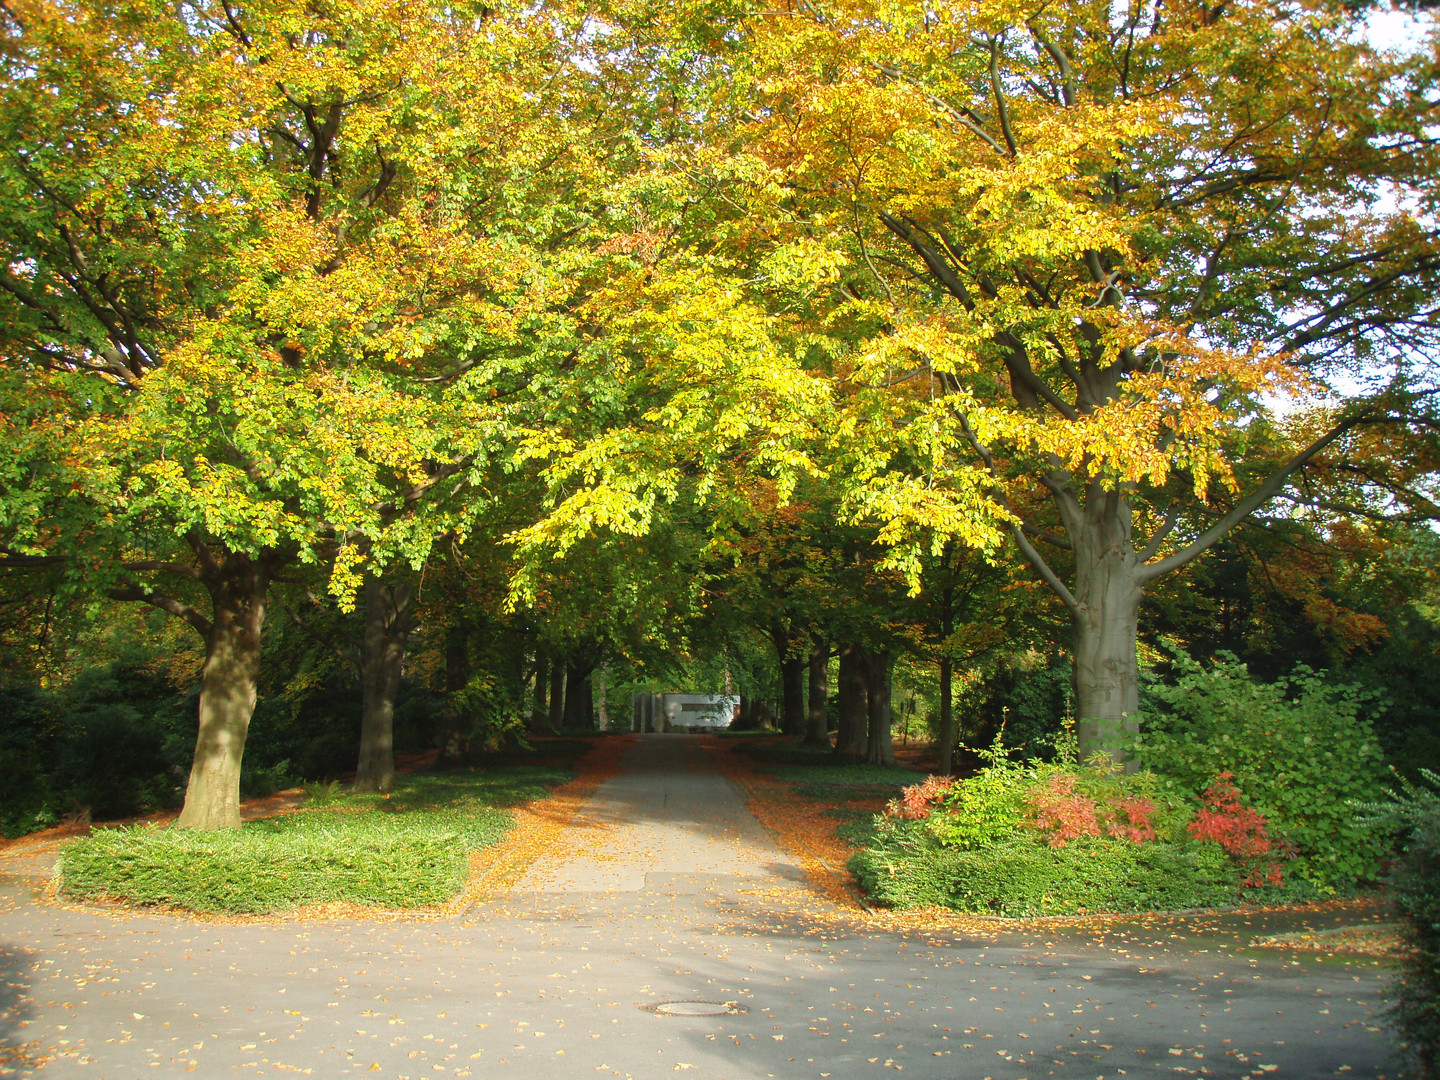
(864, 692)
(579, 696)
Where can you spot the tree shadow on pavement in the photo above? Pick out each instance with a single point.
(16, 966)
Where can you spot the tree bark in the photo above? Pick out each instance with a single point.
(602, 710)
(238, 586)
(454, 748)
(880, 747)
(817, 729)
(538, 713)
(557, 694)
(854, 695)
(792, 685)
(947, 716)
(388, 609)
(1107, 678)
(579, 698)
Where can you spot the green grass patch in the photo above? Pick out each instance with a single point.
(843, 783)
(405, 850)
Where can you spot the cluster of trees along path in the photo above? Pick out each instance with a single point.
(589, 332)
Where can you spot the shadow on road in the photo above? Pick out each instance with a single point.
(16, 966)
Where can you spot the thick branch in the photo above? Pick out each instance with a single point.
(1248, 505)
(165, 603)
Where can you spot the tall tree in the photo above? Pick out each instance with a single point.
(1057, 263)
(266, 274)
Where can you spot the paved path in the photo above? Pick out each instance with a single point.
(561, 978)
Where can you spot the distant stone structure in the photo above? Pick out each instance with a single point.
(683, 712)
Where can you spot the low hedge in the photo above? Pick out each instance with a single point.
(1023, 876)
(260, 870)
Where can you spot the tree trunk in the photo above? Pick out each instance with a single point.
(947, 716)
(538, 714)
(880, 748)
(579, 701)
(557, 694)
(602, 711)
(1106, 614)
(792, 685)
(854, 695)
(238, 586)
(1107, 678)
(382, 655)
(817, 729)
(454, 750)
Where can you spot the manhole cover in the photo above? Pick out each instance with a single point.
(697, 1008)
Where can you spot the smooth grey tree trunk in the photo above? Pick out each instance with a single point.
(238, 586)
(880, 746)
(852, 687)
(817, 728)
(1108, 589)
(388, 611)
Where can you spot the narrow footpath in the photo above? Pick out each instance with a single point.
(661, 932)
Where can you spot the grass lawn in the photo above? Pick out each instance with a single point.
(409, 849)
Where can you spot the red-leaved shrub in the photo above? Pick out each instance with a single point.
(1240, 831)
(1062, 811)
(917, 800)
(1132, 819)
(1058, 808)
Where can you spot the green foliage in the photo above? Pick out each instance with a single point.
(1415, 888)
(981, 810)
(842, 782)
(1301, 751)
(107, 745)
(322, 792)
(250, 872)
(1022, 876)
(403, 850)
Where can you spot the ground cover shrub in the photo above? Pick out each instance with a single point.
(407, 849)
(1045, 838)
(254, 871)
(1299, 751)
(1022, 875)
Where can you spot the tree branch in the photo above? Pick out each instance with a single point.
(165, 603)
(1248, 505)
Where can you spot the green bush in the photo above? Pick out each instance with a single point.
(1023, 876)
(1415, 887)
(981, 810)
(250, 871)
(1299, 748)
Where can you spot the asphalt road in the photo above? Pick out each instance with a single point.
(663, 934)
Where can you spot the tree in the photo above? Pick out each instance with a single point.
(1057, 263)
(261, 268)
